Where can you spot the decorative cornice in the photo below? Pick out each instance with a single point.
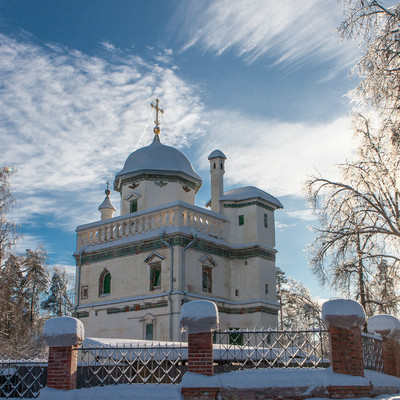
(164, 303)
(160, 177)
(247, 310)
(247, 204)
(176, 240)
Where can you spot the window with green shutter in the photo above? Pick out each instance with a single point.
(105, 283)
(241, 220)
(133, 206)
(155, 276)
(149, 331)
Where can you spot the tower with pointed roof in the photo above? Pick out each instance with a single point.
(135, 271)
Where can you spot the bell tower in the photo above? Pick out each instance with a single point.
(217, 169)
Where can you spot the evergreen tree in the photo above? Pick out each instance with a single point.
(58, 302)
(36, 279)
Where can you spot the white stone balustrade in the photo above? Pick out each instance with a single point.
(175, 215)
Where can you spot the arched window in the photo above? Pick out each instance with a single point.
(104, 283)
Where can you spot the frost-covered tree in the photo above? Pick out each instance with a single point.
(298, 308)
(377, 29)
(58, 301)
(8, 229)
(359, 217)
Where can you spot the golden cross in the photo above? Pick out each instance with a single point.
(157, 129)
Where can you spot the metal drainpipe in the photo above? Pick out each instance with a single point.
(184, 265)
(172, 284)
(79, 264)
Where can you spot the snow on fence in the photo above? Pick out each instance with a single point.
(372, 351)
(248, 349)
(22, 378)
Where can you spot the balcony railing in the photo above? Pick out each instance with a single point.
(175, 215)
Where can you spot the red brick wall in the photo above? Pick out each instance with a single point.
(61, 371)
(346, 351)
(294, 393)
(200, 357)
(391, 357)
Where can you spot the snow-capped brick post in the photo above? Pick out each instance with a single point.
(344, 319)
(63, 335)
(199, 318)
(389, 329)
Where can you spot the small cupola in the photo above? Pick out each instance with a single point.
(107, 208)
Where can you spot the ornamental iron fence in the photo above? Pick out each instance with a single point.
(22, 378)
(148, 363)
(239, 349)
(372, 351)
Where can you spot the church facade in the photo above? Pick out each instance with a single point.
(135, 271)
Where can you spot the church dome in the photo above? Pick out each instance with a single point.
(159, 159)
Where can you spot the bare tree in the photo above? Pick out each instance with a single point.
(298, 308)
(359, 217)
(377, 28)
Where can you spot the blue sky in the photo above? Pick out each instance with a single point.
(263, 81)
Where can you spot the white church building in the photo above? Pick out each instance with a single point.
(134, 271)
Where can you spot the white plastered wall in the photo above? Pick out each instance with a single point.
(152, 195)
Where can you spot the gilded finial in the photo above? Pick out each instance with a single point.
(157, 129)
(108, 191)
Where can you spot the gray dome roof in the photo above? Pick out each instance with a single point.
(216, 154)
(158, 159)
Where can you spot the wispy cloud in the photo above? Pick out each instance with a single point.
(304, 215)
(273, 155)
(288, 31)
(68, 120)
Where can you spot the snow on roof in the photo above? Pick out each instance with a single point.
(250, 192)
(107, 204)
(158, 158)
(343, 313)
(199, 316)
(216, 154)
(387, 325)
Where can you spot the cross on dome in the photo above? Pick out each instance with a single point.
(157, 129)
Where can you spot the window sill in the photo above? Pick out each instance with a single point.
(104, 295)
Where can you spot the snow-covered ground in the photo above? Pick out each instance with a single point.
(308, 378)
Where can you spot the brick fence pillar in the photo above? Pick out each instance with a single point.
(63, 335)
(344, 319)
(389, 329)
(199, 318)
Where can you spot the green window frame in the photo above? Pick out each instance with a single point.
(235, 338)
(155, 276)
(241, 220)
(149, 331)
(105, 283)
(266, 220)
(207, 279)
(133, 206)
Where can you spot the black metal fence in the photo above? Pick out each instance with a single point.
(166, 363)
(372, 351)
(238, 349)
(22, 378)
(150, 363)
